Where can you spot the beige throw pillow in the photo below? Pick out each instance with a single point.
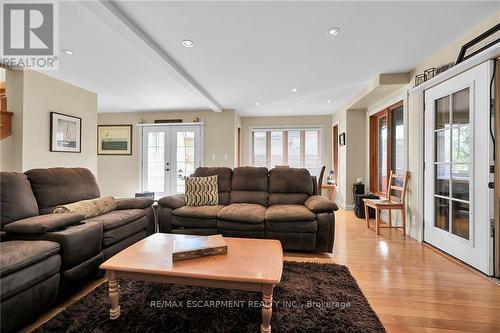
(202, 191)
(89, 208)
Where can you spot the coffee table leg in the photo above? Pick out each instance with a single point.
(114, 297)
(267, 308)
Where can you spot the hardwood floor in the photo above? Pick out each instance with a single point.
(412, 287)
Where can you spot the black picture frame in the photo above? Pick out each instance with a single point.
(463, 55)
(113, 152)
(53, 144)
(342, 139)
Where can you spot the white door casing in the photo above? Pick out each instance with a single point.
(477, 249)
(166, 157)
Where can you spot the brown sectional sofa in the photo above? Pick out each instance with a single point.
(256, 202)
(43, 254)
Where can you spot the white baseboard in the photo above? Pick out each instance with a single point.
(344, 206)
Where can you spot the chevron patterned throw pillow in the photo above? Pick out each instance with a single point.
(202, 191)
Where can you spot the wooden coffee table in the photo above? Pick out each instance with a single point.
(250, 264)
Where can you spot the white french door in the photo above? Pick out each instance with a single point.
(169, 154)
(458, 153)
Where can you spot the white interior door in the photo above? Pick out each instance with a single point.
(169, 154)
(458, 154)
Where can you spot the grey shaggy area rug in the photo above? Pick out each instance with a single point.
(310, 298)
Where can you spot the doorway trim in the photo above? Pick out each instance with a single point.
(140, 142)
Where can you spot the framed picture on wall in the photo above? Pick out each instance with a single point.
(114, 140)
(342, 139)
(65, 133)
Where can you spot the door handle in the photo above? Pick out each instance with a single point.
(167, 169)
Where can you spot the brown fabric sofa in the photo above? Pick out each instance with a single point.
(44, 254)
(253, 202)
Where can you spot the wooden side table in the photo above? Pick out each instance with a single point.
(331, 188)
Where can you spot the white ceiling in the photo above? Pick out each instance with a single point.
(248, 52)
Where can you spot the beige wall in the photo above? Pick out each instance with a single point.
(322, 121)
(33, 97)
(352, 162)
(11, 146)
(120, 175)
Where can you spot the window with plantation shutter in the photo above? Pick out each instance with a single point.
(294, 147)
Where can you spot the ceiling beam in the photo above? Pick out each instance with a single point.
(115, 18)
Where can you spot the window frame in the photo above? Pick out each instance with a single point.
(285, 130)
(374, 151)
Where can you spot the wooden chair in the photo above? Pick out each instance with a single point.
(320, 179)
(392, 201)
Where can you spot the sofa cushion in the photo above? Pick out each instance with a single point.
(202, 191)
(292, 226)
(293, 186)
(243, 212)
(17, 201)
(117, 218)
(224, 177)
(43, 223)
(289, 213)
(287, 198)
(249, 185)
(23, 279)
(58, 186)
(253, 197)
(134, 203)
(115, 235)
(89, 208)
(205, 212)
(15, 255)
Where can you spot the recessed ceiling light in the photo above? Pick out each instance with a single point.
(257, 103)
(294, 89)
(328, 101)
(188, 43)
(333, 31)
(289, 110)
(66, 51)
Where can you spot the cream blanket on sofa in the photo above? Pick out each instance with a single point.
(89, 208)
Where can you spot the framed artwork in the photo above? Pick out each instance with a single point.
(114, 140)
(342, 139)
(480, 43)
(65, 133)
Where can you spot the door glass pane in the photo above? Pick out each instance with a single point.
(460, 181)
(382, 154)
(397, 140)
(294, 149)
(259, 149)
(442, 183)
(276, 148)
(443, 112)
(441, 211)
(156, 162)
(443, 145)
(460, 219)
(185, 158)
(311, 152)
(460, 101)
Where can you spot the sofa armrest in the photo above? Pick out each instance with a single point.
(43, 223)
(319, 204)
(173, 201)
(133, 203)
